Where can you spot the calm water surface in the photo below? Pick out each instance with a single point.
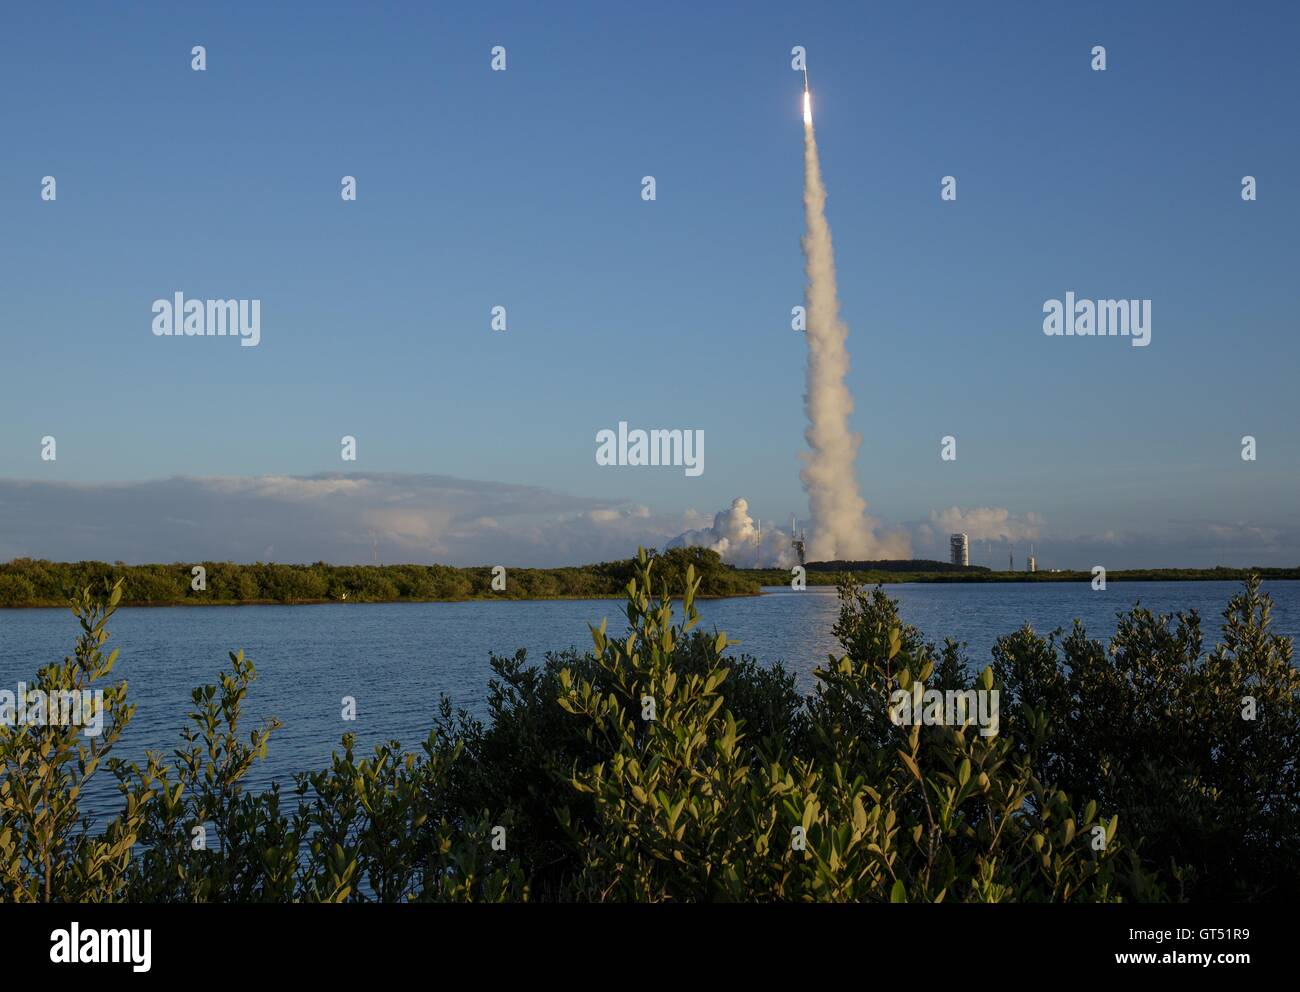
(396, 659)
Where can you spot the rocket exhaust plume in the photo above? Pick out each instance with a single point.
(840, 527)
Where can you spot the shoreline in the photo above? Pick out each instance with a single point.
(146, 604)
(824, 580)
(827, 577)
(27, 583)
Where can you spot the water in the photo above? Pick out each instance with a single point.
(396, 659)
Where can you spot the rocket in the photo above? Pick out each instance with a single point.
(807, 99)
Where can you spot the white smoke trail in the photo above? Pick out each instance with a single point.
(841, 528)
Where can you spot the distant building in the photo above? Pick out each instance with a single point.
(959, 549)
(797, 544)
(1031, 564)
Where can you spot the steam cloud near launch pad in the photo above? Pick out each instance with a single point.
(839, 526)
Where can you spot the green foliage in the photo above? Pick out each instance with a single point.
(17, 590)
(683, 811)
(25, 582)
(362, 830)
(47, 849)
(1156, 728)
(658, 767)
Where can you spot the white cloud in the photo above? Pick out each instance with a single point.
(426, 518)
(740, 540)
(986, 523)
(334, 518)
(1159, 544)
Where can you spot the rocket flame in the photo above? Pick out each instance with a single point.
(807, 107)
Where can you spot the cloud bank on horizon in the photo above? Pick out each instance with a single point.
(421, 519)
(984, 523)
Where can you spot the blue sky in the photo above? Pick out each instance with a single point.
(522, 189)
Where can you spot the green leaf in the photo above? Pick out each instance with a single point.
(911, 765)
(859, 814)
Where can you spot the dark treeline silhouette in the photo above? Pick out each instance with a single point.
(873, 572)
(840, 566)
(31, 582)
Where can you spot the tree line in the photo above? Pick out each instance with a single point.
(32, 582)
(873, 573)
